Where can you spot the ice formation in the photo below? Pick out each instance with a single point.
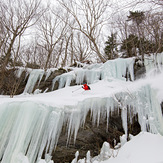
(112, 69)
(154, 62)
(35, 75)
(19, 72)
(118, 68)
(29, 128)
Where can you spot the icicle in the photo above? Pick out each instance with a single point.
(64, 79)
(80, 76)
(19, 72)
(154, 63)
(76, 157)
(92, 76)
(54, 81)
(112, 69)
(74, 122)
(108, 113)
(124, 120)
(88, 157)
(69, 78)
(54, 126)
(123, 139)
(29, 127)
(48, 72)
(130, 66)
(117, 69)
(35, 75)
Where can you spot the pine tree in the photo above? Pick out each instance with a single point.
(138, 17)
(111, 46)
(133, 42)
(130, 44)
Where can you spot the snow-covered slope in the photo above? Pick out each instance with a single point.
(31, 123)
(142, 148)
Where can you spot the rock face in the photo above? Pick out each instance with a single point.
(91, 137)
(162, 107)
(139, 69)
(11, 85)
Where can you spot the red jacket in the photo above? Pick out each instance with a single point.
(85, 87)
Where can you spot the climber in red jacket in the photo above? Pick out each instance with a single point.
(86, 87)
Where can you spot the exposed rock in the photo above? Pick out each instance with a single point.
(162, 107)
(11, 85)
(91, 137)
(47, 84)
(139, 69)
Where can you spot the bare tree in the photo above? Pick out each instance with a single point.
(67, 42)
(52, 29)
(3, 36)
(33, 55)
(157, 2)
(154, 27)
(89, 19)
(16, 17)
(82, 50)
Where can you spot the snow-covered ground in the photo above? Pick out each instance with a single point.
(143, 148)
(29, 122)
(75, 94)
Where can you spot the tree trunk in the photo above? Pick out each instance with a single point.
(98, 52)
(8, 54)
(48, 58)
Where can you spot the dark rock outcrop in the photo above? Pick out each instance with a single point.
(91, 137)
(11, 85)
(47, 84)
(139, 69)
(162, 107)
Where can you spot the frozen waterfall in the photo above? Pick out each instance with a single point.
(30, 125)
(30, 128)
(112, 69)
(35, 75)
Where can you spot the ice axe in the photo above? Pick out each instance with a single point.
(76, 90)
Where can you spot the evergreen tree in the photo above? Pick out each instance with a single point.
(111, 46)
(138, 17)
(130, 45)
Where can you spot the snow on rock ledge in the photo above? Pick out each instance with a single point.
(32, 125)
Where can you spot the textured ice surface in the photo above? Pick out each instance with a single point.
(35, 76)
(31, 124)
(112, 69)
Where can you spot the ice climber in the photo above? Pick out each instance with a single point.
(86, 87)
